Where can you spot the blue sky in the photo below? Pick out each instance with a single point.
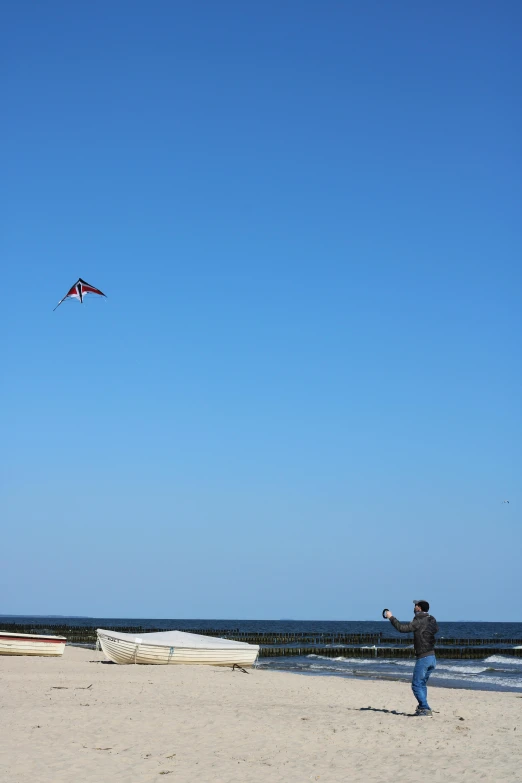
(301, 397)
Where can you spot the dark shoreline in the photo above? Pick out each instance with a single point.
(360, 675)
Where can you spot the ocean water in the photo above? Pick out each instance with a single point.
(496, 671)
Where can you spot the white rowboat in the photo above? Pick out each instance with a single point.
(31, 644)
(175, 647)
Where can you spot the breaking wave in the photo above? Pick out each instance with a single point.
(497, 672)
(503, 660)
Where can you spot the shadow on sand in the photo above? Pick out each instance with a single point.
(389, 712)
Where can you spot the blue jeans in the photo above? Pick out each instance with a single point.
(421, 674)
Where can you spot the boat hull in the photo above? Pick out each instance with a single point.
(27, 644)
(126, 652)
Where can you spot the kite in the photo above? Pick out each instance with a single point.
(79, 290)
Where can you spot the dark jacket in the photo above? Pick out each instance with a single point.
(424, 627)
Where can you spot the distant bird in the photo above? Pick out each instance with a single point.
(505, 501)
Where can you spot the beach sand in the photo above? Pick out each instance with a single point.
(77, 718)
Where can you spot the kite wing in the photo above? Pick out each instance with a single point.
(79, 290)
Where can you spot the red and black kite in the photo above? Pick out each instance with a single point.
(79, 290)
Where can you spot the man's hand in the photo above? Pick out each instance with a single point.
(388, 614)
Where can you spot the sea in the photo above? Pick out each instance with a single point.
(497, 672)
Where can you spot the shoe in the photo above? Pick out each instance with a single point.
(423, 713)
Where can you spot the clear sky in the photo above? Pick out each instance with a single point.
(301, 397)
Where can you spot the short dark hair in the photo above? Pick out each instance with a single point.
(424, 605)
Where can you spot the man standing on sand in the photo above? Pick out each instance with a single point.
(424, 628)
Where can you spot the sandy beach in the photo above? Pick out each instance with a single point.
(78, 718)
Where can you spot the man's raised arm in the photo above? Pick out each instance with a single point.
(402, 627)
